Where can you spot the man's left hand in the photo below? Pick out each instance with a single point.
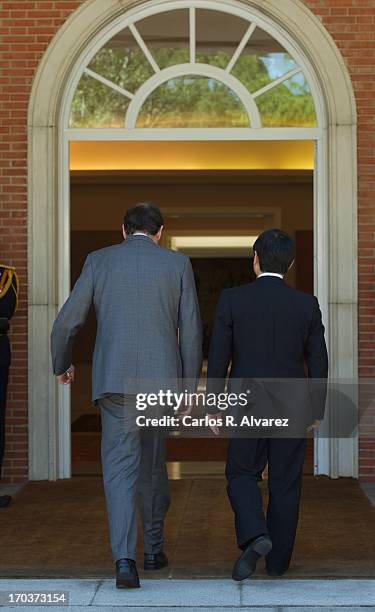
(184, 410)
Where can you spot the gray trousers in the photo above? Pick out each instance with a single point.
(134, 470)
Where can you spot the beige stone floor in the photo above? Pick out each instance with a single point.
(60, 529)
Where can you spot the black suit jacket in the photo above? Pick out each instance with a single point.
(268, 330)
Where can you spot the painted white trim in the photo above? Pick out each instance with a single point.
(211, 72)
(192, 34)
(303, 36)
(108, 83)
(321, 286)
(194, 134)
(146, 51)
(276, 82)
(63, 290)
(246, 37)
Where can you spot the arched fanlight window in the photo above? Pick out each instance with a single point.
(192, 67)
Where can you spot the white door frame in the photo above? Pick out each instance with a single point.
(335, 233)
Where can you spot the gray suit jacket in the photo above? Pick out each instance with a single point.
(148, 321)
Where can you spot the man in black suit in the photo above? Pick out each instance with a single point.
(267, 330)
(9, 288)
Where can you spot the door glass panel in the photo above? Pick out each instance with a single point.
(262, 61)
(123, 62)
(192, 102)
(218, 36)
(97, 106)
(289, 104)
(167, 37)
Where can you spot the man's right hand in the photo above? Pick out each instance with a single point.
(215, 419)
(314, 426)
(68, 377)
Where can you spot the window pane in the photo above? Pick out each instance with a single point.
(218, 36)
(167, 37)
(192, 102)
(262, 61)
(122, 61)
(290, 104)
(97, 106)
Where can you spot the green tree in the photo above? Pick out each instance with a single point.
(186, 101)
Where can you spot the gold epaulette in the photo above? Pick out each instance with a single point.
(9, 279)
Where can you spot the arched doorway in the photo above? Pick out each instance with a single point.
(79, 56)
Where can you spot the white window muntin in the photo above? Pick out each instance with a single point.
(135, 15)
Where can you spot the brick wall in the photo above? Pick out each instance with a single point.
(25, 32)
(352, 25)
(26, 29)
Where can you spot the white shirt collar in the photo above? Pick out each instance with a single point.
(271, 274)
(141, 234)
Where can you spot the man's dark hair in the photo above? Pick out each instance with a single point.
(275, 250)
(144, 217)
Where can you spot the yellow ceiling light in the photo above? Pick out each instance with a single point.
(191, 155)
(179, 243)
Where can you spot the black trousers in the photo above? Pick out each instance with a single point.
(247, 459)
(4, 373)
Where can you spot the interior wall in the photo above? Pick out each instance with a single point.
(101, 206)
(97, 209)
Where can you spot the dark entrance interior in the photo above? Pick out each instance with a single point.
(220, 205)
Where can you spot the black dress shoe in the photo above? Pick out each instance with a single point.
(126, 574)
(245, 566)
(5, 501)
(155, 562)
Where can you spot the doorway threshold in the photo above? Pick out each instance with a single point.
(180, 470)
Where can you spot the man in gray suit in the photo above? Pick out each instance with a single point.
(148, 329)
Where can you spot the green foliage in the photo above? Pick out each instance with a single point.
(97, 106)
(289, 105)
(186, 101)
(192, 102)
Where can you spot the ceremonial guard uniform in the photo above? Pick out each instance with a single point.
(9, 288)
